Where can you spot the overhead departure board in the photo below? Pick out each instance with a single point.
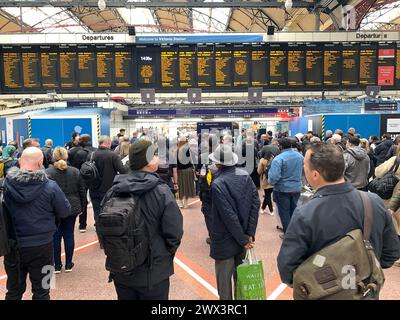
(350, 65)
(296, 66)
(49, 65)
(314, 66)
(332, 65)
(241, 72)
(12, 70)
(223, 66)
(123, 68)
(169, 67)
(146, 68)
(368, 65)
(386, 65)
(187, 67)
(87, 69)
(259, 66)
(212, 67)
(105, 63)
(277, 65)
(31, 70)
(68, 69)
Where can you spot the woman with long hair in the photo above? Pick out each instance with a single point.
(71, 183)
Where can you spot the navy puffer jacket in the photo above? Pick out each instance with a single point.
(235, 205)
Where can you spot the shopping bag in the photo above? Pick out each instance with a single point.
(250, 278)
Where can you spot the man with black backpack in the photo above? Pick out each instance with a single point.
(140, 262)
(76, 157)
(332, 217)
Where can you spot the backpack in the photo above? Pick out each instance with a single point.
(123, 232)
(327, 274)
(89, 173)
(384, 186)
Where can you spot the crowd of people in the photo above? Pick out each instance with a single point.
(45, 194)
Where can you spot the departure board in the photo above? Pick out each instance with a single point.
(213, 67)
(314, 65)
(169, 67)
(205, 66)
(277, 65)
(31, 71)
(296, 66)
(105, 62)
(12, 66)
(187, 67)
(123, 68)
(368, 65)
(223, 67)
(350, 65)
(241, 72)
(146, 68)
(259, 66)
(386, 65)
(68, 67)
(87, 69)
(49, 65)
(332, 65)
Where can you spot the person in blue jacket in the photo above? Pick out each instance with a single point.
(35, 204)
(286, 176)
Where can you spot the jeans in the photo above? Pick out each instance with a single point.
(224, 271)
(159, 291)
(35, 261)
(83, 217)
(96, 200)
(65, 231)
(206, 208)
(286, 202)
(267, 200)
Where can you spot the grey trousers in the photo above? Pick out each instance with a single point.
(225, 270)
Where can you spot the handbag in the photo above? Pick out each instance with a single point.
(384, 186)
(250, 278)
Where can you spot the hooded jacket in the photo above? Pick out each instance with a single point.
(381, 150)
(164, 222)
(34, 202)
(357, 165)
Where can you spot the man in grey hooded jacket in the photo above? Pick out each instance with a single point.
(356, 164)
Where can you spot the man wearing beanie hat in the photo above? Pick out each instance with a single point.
(234, 218)
(150, 281)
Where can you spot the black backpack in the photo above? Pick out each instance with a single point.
(89, 173)
(384, 186)
(123, 232)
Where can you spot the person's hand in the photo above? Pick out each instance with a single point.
(176, 187)
(249, 245)
(391, 212)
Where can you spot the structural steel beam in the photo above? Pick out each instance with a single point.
(156, 4)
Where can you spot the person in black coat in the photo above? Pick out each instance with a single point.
(235, 209)
(150, 281)
(108, 164)
(382, 149)
(335, 209)
(71, 183)
(76, 157)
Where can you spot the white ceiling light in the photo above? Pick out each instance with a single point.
(288, 4)
(101, 4)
